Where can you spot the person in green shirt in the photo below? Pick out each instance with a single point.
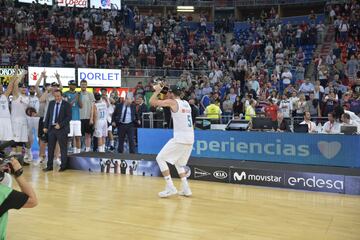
(12, 199)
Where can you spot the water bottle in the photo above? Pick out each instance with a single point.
(319, 128)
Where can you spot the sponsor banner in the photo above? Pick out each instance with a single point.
(66, 74)
(207, 173)
(313, 149)
(6, 73)
(42, 2)
(106, 4)
(315, 182)
(257, 177)
(100, 77)
(115, 166)
(72, 3)
(120, 92)
(352, 185)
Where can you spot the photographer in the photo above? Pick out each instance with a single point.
(12, 199)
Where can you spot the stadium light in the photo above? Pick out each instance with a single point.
(185, 8)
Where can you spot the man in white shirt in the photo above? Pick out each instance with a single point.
(331, 126)
(307, 120)
(286, 76)
(285, 106)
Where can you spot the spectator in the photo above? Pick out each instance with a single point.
(227, 107)
(281, 125)
(307, 121)
(250, 110)
(285, 106)
(331, 126)
(213, 112)
(313, 106)
(306, 88)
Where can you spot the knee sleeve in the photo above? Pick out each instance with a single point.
(180, 169)
(162, 164)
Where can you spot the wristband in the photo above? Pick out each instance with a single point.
(18, 172)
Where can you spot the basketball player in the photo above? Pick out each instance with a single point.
(18, 116)
(33, 122)
(86, 114)
(6, 133)
(73, 98)
(178, 149)
(110, 102)
(41, 113)
(100, 121)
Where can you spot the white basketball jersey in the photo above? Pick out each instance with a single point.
(19, 106)
(101, 110)
(34, 102)
(4, 107)
(183, 125)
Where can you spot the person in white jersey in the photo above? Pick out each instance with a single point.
(100, 121)
(110, 102)
(6, 133)
(178, 149)
(33, 122)
(18, 116)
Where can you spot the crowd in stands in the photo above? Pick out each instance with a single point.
(264, 67)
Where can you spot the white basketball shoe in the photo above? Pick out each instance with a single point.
(169, 191)
(185, 191)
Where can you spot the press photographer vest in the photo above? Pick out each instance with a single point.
(4, 193)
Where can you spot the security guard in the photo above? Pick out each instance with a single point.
(213, 112)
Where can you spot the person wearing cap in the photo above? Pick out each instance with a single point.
(178, 149)
(18, 116)
(73, 98)
(13, 199)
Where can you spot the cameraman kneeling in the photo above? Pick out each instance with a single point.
(12, 199)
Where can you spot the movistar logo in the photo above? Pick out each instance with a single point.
(256, 177)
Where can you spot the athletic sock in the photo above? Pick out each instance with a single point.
(87, 149)
(169, 181)
(112, 143)
(184, 182)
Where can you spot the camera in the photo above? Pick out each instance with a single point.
(5, 166)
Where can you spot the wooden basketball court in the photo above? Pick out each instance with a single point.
(81, 205)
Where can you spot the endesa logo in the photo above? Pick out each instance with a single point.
(100, 77)
(316, 182)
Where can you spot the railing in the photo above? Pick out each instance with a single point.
(156, 120)
(221, 3)
(198, 3)
(274, 2)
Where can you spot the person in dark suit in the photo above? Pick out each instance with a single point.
(57, 125)
(281, 125)
(125, 118)
(140, 109)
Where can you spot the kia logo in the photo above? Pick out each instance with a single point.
(220, 174)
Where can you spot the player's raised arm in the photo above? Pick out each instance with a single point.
(156, 102)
